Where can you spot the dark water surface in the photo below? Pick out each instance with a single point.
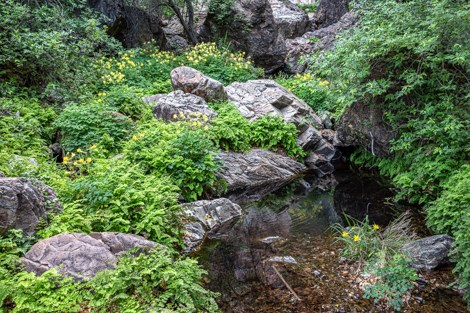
(288, 233)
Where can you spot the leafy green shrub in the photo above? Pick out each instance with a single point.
(153, 280)
(159, 279)
(271, 132)
(181, 150)
(126, 100)
(118, 196)
(395, 279)
(48, 42)
(85, 125)
(25, 126)
(230, 130)
(314, 91)
(450, 214)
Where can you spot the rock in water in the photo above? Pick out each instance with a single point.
(253, 175)
(192, 81)
(80, 255)
(210, 218)
(291, 20)
(178, 105)
(427, 253)
(23, 203)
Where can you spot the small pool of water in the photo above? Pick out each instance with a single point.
(285, 237)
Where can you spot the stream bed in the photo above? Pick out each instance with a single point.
(286, 237)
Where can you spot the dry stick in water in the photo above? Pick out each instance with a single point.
(285, 283)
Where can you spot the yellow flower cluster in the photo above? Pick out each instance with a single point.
(113, 77)
(78, 158)
(195, 119)
(137, 138)
(162, 57)
(202, 52)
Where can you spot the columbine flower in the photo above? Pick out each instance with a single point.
(344, 234)
(375, 227)
(357, 238)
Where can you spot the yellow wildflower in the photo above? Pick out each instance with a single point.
(375, 227)
(81, 161)
(79, 150)
(93, 147)
(135, 137)
(88, 160)
(344, 234)
(71, 155)
(64, 161)
(357, 238)
(206, 127)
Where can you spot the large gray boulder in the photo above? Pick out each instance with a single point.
(364, 125)
(291, 20)
(178, 105)
(80, 255)
(427, 253)
(257, 98)
(254, 31)
(253, 175)
(192, 81)
(23, 203)
(318, 40)
(209, 218)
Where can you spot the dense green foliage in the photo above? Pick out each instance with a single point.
(313, 90)
(231, 131)
(83, 126)
(412, 59)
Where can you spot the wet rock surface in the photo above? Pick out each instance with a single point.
(23, 203)
(80, 255)
(170, 107)
(192, 81)
(209, 218)
(430, 252)
(257, 173)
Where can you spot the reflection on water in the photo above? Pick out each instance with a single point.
(239, 263)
